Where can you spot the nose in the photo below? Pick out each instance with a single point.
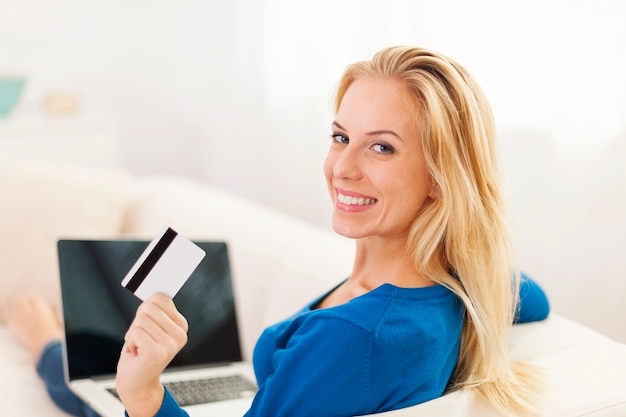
(347, 163)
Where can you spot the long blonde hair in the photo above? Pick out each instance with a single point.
(461, 239)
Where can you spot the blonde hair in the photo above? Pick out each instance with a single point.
(461, 239)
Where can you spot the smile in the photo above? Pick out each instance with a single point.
(355, 201)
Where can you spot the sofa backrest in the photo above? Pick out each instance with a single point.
(279, 262)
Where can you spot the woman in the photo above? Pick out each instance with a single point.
(413, 177)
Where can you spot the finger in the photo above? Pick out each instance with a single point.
(141, 344)
(165, 316)
(169, 308)
(156, 331)
(152, 319)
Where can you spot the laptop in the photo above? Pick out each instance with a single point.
(97, 312)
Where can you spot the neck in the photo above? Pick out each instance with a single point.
(379, 261)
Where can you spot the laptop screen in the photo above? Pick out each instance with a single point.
(97, 310)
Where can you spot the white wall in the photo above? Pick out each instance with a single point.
(238, 93)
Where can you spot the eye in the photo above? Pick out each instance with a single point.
(382, 148)
(340, 138)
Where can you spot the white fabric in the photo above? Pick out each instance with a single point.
(21, 391)
(40, 203)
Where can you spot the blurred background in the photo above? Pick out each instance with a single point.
(238, 94)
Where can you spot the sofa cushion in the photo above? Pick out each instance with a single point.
(22, 393)
(41, 202)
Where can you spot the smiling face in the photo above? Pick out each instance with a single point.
(375, 167)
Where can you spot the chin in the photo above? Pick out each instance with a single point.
(345, 230)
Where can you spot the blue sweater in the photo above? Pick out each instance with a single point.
(387, 349)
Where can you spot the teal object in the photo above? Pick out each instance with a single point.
(10, 92)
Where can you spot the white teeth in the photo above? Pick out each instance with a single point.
(355, 201)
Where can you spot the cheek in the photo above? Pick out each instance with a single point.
(328, 174)
(412, 193)
(329, 163)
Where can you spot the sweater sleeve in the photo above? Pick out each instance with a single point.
(533, 302)
(324, 369)
(169, 407)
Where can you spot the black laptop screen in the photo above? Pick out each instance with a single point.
(97, 310)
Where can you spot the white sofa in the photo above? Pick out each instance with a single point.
(279, 263)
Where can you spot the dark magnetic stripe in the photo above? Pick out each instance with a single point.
(151, 260)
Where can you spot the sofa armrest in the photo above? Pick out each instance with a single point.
(584, 374)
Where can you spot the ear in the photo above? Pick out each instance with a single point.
(435, 190)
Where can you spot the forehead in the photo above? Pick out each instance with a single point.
(377, 103)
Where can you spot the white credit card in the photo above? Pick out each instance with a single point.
(165, 265)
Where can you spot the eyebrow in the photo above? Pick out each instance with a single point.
(373, 132)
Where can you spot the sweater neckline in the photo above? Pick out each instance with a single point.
(392, 291)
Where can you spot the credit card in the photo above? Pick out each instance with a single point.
(164, 266)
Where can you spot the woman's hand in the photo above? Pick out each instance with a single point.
(155, 336)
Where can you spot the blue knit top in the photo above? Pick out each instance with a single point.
(387, 349)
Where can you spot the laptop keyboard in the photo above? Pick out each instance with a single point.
(200, 391)
(211, 389)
